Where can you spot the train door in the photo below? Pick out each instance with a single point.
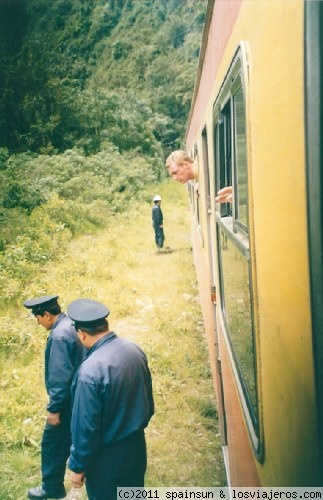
(212, 266)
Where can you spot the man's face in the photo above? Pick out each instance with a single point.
(45, 320)
(182, 172)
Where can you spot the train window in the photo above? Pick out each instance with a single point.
(195, 189)
(240, 160)
(231, 169)
(223, 141)
(206, 170)
(235, 271)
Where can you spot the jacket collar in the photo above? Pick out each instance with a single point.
(103, 340)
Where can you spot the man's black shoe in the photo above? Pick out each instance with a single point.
(40, 494)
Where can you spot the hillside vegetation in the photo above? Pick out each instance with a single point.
(79, 72)
(93, 94)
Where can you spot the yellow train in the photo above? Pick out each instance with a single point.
(256, 124)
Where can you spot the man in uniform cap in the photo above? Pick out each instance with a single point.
(112, 405)
(157, 220)
(63, 354)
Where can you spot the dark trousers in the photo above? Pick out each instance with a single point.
(159, 237)
(118, 464)
(55, 450)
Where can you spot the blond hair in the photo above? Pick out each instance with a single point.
(178, 157)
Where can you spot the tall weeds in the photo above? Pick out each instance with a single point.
(154, 301)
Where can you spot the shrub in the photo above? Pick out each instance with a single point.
(47, 200)
(24, 196)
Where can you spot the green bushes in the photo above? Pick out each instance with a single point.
(47, 200)
(19, 195)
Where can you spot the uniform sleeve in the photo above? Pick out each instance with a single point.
(85, 425)
(151, 398)
(60, 373)
(149, 387)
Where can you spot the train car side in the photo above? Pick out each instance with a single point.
(247, 128)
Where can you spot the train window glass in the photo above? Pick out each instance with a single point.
(190, 192)
(236, 286)
(224, 176)
(195, 189)
(206, 170)
(240, 161)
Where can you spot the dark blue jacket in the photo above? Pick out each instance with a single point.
(157, 216)
(112, 398)
(63, 355)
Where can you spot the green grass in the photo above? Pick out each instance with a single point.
(154, 301)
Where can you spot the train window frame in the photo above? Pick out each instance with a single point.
(206, 166)
(238, 224)
(194, 187)
(224, 177)
(235, 231)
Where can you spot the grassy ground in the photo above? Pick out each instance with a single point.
(154, 301)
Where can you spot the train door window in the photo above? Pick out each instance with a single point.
(224, 176)
(207, 187)
(206, 170)
(191, 191)
(195, 189)
(235, 278)
(240, 157)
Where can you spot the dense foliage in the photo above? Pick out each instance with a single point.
(93, 95)
(76, 72)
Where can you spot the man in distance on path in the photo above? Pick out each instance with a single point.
(157, 220)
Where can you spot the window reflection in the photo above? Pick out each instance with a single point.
(241, 158)
(237, 312)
